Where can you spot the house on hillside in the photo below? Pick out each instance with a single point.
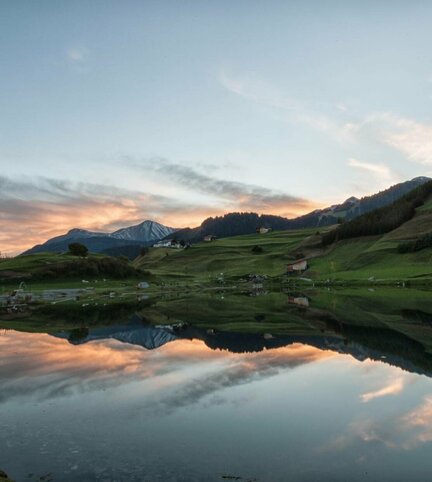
(302, 301)
(165, 243)
(297, 266)
(209, 237)
(168, 243)
(263, 230)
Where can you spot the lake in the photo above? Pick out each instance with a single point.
(334, 388)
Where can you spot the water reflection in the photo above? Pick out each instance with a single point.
(339, 391)
(42, 366)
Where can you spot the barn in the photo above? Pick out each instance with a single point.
(297, 266)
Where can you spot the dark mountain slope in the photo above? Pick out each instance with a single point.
(143, 234)
(234, 224)
(384, 219)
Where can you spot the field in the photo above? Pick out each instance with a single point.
(232, 257)
(231, 261)
(361, 259)
(61, 270)
(377, 257)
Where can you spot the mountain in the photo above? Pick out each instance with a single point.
(146, 231)
(127, 241)
(135, 333)
(234, 224)
(143, 234)
(361, 342)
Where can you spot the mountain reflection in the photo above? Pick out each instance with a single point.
(41, 366)
(223, 385)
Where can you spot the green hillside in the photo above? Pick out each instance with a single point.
(51, 267)
(362, 259)
(378, 256)
(359, 259)
(231, 256)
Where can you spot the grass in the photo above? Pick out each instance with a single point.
(355, 260)
(31, 262)
(377, 257)
(350, 261)
(234, 312)
(361, 260)
(404, 312)
(51, 270)
(231, 256)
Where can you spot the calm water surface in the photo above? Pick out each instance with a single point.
(178, 410)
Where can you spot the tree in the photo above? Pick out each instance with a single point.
(143, 251)
(78, 249)
(257, 249)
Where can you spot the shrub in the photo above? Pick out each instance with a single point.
(257, 249)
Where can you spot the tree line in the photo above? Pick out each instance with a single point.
(382, 220)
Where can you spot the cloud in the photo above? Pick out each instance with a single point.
(241, 369)
(33, 210)
(393, 388)
(244, 196)
(252, 88)
(410, 137)
(382, 171)
(419, 420)
(263, 93)
(41, 367)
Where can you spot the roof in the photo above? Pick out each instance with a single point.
(297, 261)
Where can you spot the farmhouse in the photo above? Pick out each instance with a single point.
(299, 301)
(209, 238)
(263, 230)
(297, 266)
(167, 243)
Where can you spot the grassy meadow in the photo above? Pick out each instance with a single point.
(232, 257)
(231, 260)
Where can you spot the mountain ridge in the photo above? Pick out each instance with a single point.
(234, 224)
(128, 240)
(143, 234)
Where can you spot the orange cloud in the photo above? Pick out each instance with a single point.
(33, 211)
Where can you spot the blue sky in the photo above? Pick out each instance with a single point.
(114, 112)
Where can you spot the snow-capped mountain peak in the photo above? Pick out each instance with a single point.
(145, 231)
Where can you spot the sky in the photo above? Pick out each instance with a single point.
(113, 112)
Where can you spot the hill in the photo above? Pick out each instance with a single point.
(234, 224)
(361, 258)
(233, 256)
(61, 267)
(384, 219)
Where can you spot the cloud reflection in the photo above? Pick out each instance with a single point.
(392, 388)
(39, 367)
